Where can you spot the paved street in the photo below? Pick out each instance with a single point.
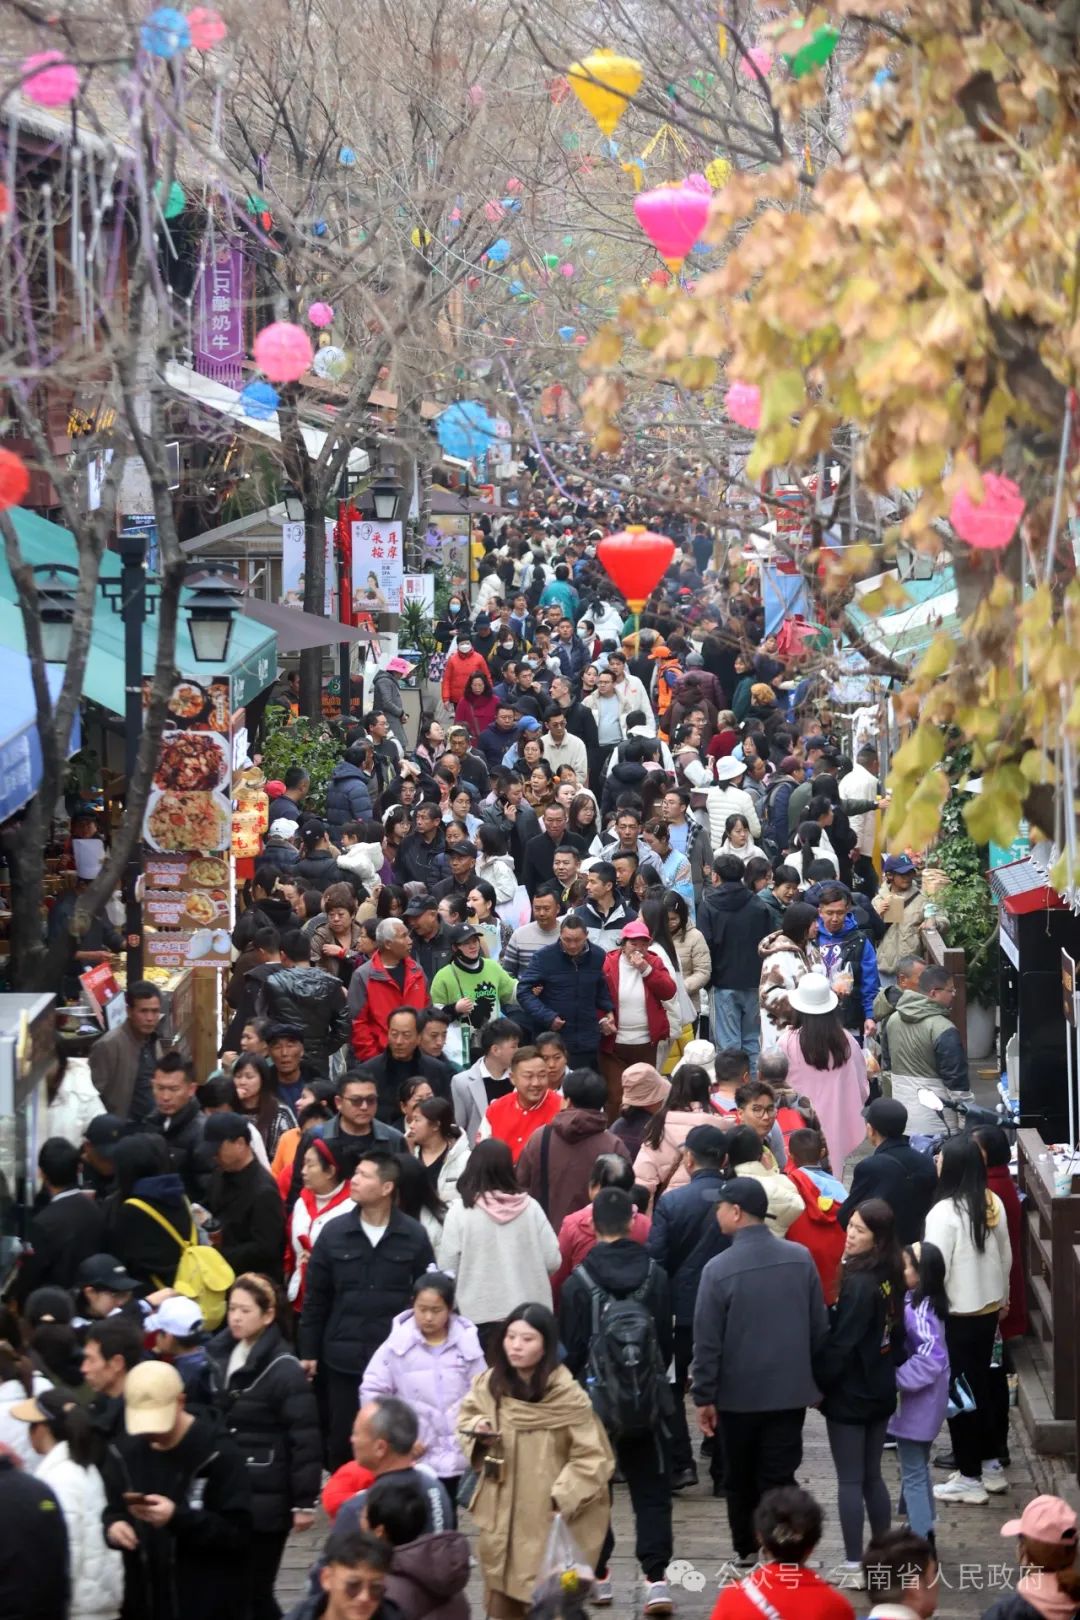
(975, 1560)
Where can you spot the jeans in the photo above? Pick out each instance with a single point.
(916, 1493)
(646, 1462)
(975, 1435)
(737, 1022)
(856, 1452)
(762, 1449)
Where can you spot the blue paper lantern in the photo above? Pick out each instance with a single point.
(517, 288)
(319, 228)
(499, 251)
(347, 157)
(259, 400)
(510, 205)
(165, 32)
(567, 332)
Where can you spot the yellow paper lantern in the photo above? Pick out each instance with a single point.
(420, 239)
(718, 172)
(603, 82)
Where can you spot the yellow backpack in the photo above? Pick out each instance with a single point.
(202, 1274)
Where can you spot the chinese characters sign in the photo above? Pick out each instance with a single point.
(377, 567)
(292, 567)
(219, 319)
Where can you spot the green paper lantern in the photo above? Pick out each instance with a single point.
(568, 241)
(571, 142)
(257, 205)
(175, 202)
(551, 260)
(815, 53)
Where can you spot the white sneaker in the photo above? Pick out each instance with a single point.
(657, 1598)
(994, 1478)
(852, 1575)
(958, 1489)
(602, 1593)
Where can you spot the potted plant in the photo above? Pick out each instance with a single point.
(972, 924)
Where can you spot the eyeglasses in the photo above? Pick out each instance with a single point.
(358, 1586)
(361, 1102)
(762, 1110)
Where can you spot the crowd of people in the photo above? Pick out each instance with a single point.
(550, 1040)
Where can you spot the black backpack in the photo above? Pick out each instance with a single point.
(625, 1376)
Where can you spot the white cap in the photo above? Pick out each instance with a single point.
(284, 827)
(179, 1315)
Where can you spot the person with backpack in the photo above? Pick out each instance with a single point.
(615, 1321)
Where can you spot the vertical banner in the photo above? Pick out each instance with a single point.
(377, 567)
(292, 567)
(218, 336)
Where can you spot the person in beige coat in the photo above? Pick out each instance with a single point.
(529, 1430)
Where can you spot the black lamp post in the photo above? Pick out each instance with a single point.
(211, 610)
(386, 492)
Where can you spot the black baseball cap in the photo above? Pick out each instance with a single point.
(464, 848)
(886, 1115)
(707, 1140)
(225, 1128)
(421, 903)
(747, 1193)
(463, 931)
(105, 1130)
(105, 1271)
(283, 1032)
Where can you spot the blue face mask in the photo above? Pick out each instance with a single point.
(455, 607)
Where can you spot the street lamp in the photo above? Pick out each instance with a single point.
(56, 587)
(386, 491)
(212, 606)
(293, 502)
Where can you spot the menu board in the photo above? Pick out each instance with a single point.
(173, 950)
(198, 909)
(187, 872)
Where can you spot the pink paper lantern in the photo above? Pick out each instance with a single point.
(320, 314)
(582, 337)
(756, 57)
(566, 270)
(283, 351)
(989, 524)
(673, 218)
(476, 95)
(493, 212)
(206, 27)
(513, 185)
(698, 182)
(743, 404)
(50, 79)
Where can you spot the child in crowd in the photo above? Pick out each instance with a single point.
(922, 1381)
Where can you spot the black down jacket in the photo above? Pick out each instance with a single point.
(313, 999)
(269, 1409)
(348, 797)
(354, 1289)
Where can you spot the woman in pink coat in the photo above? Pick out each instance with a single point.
(660, 1163)
(826, 1064)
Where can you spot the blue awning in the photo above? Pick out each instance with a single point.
(20, 740)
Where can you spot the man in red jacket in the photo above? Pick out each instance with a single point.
(529, 1107)
(389, 981)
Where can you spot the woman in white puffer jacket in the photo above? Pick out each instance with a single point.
(68, 1450)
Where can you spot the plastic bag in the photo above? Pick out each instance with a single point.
(564, 1578)
(961, 1399)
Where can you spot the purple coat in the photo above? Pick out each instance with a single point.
(922, 1381)
(433, 1378)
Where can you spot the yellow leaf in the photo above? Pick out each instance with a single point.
(924, 749)
(1037, 768)
(781, 397)
(605, 349)
(937, 658)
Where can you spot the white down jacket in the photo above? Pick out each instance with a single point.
(97, 1570)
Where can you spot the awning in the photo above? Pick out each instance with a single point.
(296, 629)
(221, 401)
(252, 661)
(907, 633)
(20, 739)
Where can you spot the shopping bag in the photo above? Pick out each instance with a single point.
(961, 1400)
(563, 1573)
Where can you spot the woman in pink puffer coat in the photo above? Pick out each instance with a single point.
(430, 1360)
(660, 1163)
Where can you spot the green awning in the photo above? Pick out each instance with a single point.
(252, 648)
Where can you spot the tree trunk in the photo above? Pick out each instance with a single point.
(311, 659)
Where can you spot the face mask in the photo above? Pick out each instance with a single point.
(455, 607)
(508, 646)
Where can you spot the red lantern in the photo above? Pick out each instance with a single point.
(14, 480)
(637, 561)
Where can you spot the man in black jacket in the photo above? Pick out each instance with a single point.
(34, 1558)
(431, 946)
(65, 1231)
(359, 1277)
(895, 1171)
(683, 1238)
(354, 1130)
(244, 1201)
(403, 1060)
(422, 856)
(617, 1268)
(540, 851)
(298, 993)
(186, 1535)
(734, 922)
(179, 1118)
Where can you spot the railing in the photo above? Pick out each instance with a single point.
(952, 960)
(1052, 1267)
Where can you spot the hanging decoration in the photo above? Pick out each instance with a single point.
(283, 351)
(499, 251)
(815, 53)
(635, 168)
(636, 559)
(567, 332)
(551, 260)
(259, 209)
(513, 185)
(49, 79)
(476, 95)
(346, 157)
(743, 404)
(756, 61)
(420, 238)
(320, 314)
(165, 33)
(14, 480)
(175, 201)
(207, 28)
(566, 270)
(718, 173)
(517, 288)
(989, 524)
(559, 89)
(603, 82)
(330, 362)
(673, 218)
(493, 212)
(259, 401)
(318, 227)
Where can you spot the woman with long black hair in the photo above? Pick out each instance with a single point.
(660, 1163)
(255, 1095)
(967, 1223)
(857, 1372)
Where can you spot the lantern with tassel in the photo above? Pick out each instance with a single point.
(283, 351)
(207, 28)
(49, 79)
(989, 524)
(743, 405)
(672, 217)
(603, 82)
(636, 560)
(14, 479)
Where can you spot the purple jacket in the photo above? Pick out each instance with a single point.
(922, 1381)
(433, 1378)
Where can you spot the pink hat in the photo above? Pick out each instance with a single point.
(635, 930)
(642, 1085)
(1046, 1518)
(399, 666)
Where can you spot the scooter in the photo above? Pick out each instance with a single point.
(969, 1117)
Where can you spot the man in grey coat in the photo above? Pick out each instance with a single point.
(759, 1322)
